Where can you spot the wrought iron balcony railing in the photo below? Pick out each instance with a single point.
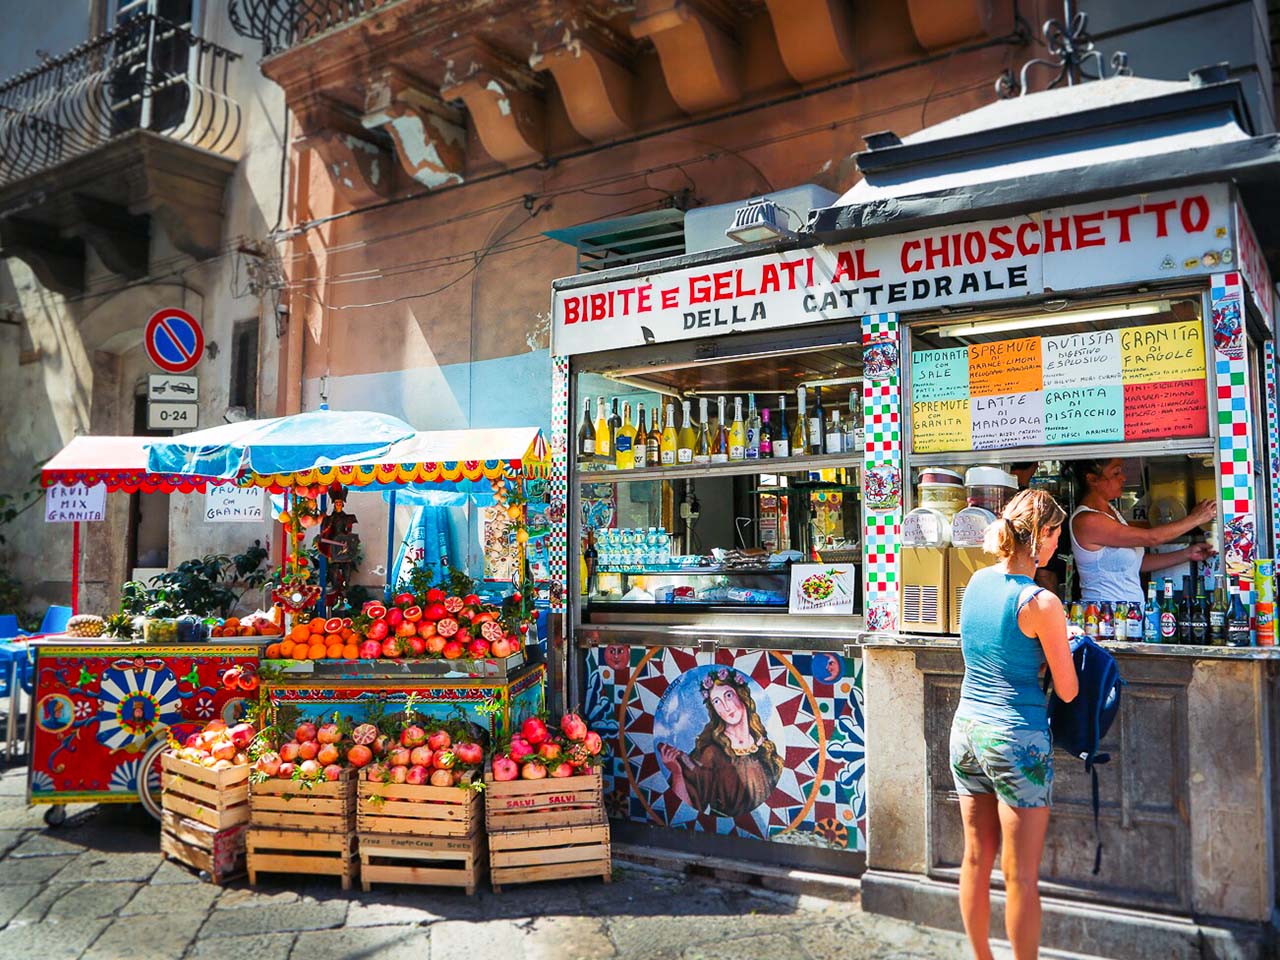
(146, 74)
(281, 24)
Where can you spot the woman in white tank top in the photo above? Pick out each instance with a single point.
(1110, 555)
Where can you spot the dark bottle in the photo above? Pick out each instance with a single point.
(1218, 614)
(1168, 615)
(815, 424)
(615, 419)
(590, 559)
(586, 434)
(1186, 603)
(766, 435)
(1200, 616)
(1238, 621)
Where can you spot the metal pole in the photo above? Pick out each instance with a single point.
(75, 567)
(322, 573)
(391, 539)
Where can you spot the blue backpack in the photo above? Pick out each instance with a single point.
(1079, 726)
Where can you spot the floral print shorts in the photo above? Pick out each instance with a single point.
(1014, 763)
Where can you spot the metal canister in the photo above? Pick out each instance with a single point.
(1265, 618)
(1264, 580)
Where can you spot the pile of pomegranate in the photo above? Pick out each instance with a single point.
(313, 753)
(217, 746)
(419, 756)
(438, 625)
(538, 750)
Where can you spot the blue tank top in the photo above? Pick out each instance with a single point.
(1001, 663)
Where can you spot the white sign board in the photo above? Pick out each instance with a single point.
(164, 415)
(75, 504)
(1157, 236)
(822, 588)
(234, 505)
(168, 386)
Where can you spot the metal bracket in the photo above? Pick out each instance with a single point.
(707, 645)
(852, 650)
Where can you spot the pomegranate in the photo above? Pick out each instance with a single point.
(374, 610)
(417, 775)
(413, 736)
(435, 611)
(380, 745)
(444, 759)
(289, 751)
(406, 629)
(364, 734)
(286, 771)
(248, 679)
(435, 595)
(520, 748)
(378, 630)
(501, 648)
(533, 730)
(376, 773)
(562, 770)
(305, 731)
(550, 750)
(391, 648)
(454, 604)
(269, 764)
(420, 756)
(393, 618)
(447, 627)
(308, 749)
(398, 774)
(242, 734)
(469, 754)
(231, 678)
(402, 599)
(573, 727)
(371, 649)
(478, 648)
(417, 646)
(440, 740)
(471, 600)
(193, 742)
(533, 771)
(577, 754)
(453, 650)
(399, 757)
(329, 754)
(332, 772)
(594, 743)
(221, 765)
(504, 768)
(359, 755)
(223, 750)
(310, 769)
(413, 614)
(491, 631)
(426, 629)
(441, 778)
(329, 733)
(214, 726)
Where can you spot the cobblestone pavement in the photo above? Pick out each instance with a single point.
(98, 889)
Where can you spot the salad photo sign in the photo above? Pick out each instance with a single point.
(822, 588)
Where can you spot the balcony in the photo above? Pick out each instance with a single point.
(132, 126)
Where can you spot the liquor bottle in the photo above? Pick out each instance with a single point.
(720, 436)
(586, 433)
(590, 557)
(687, 438)
(1151, 616)
(752, 451)
(702, 445)
(1134, 623)
(615, 424)
(1218, 614)
(816, 426)
(835, 436)
(604, 436)
(800, 439)
(1186, 604)
(667, 443)
(624, 441)
(766, 435)
(1091, 619)
(653, 440)
(1238, 620)
(738, 433)
(851, 443)
(782, 443)
(641, 447)
(1200, 616)
(1168, 615)
(1106, 621)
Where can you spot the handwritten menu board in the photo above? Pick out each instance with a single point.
(1144, 383)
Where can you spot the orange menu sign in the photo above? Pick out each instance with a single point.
(1005, 367)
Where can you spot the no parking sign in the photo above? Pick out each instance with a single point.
(174, 340)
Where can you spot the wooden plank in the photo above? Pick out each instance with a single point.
(301, 804)
(541, 839)
(558, 871)
(541, 819)
(218, 779)
(440, 849)
(409, 791)
(417, 811)
(212, 796)
(574, 854)
(493, 787)
(419, 828)
(217, 819)
(308, 825)
(467, 877)
(299, 840)
(343, 867)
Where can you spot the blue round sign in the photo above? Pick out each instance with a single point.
(174, 340)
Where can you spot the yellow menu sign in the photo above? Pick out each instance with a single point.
(941, 426)
(1166, 351)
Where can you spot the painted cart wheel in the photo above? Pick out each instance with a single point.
(148, 784)
(56, 815)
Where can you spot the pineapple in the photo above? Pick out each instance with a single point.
(85, 625)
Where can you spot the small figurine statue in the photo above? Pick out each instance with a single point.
(339, 544)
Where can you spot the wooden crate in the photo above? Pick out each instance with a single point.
(552, 853)
(218, 854)
(405, 809)
(537, 804)
(216, 798)
(271, 850)
(450, 861)
(324, 806)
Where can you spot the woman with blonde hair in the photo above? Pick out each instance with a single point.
(1001, 752)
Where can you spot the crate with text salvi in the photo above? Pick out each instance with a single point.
(420, 834)
(307, 828)
(549, 829)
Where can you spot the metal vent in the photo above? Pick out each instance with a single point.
(653, 235)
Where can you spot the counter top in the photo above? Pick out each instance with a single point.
(929, 642)
(63, 640)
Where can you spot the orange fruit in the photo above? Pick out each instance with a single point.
(232, 622)
(347, 634)
(316, 651)
(301, 652)
(333, 651)
(300, 632)
(273, 651)
(316, 626)
(286, 649)
(329, 639)
(247, 631)
(350, 652)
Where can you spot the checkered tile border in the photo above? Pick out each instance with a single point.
(1273, 438)
(1231, 381)
(559, 485)
(882, 529)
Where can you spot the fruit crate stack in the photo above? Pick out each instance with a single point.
(420, 834)
(204, 816)
(305, 825)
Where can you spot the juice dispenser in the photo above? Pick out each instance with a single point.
(926, 531)
(966, 557)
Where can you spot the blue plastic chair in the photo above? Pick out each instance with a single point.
(8, 653)
(55, 620)
(9, 626)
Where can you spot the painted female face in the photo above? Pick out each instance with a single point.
(1110, 484)
(727, 704)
